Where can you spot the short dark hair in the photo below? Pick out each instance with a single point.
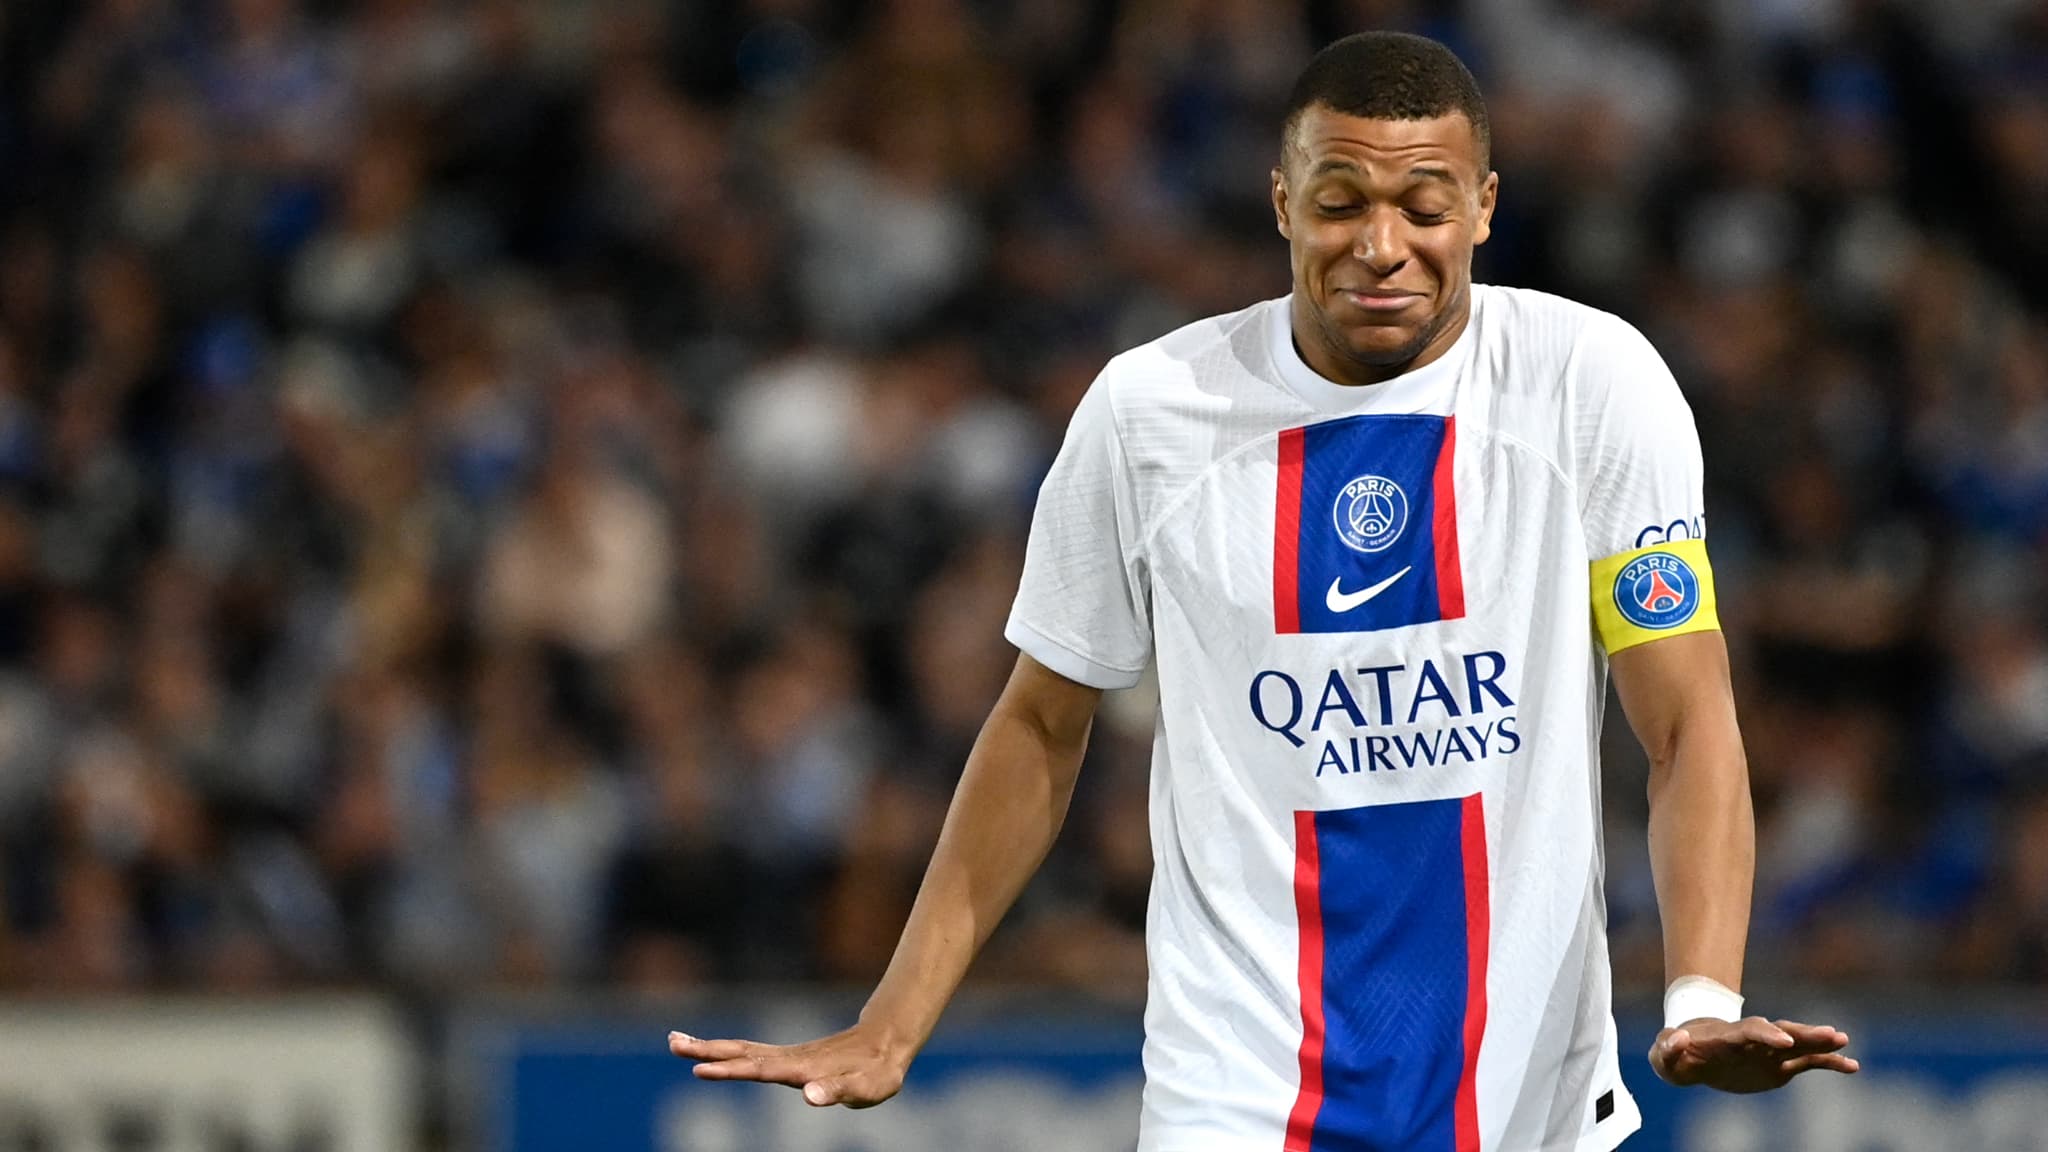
(1390, 76)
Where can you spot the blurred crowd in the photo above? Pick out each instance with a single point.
(527, 492)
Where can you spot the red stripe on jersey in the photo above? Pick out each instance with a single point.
(1478, 927)
(1287, 536)
(1308, 911)
(1450, 579)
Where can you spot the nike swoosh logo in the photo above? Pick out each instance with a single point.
(1338, 600)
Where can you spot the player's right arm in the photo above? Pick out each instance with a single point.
(1082, 621)
(1005, 814)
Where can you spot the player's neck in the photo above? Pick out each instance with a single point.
(1315, 351)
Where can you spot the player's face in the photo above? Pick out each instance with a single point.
(1381, 217)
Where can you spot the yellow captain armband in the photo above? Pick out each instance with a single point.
(1649, 593)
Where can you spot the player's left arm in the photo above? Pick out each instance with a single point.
(1676, 694)
(1636, 454)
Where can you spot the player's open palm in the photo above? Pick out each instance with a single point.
(854, 1067)
(1752, 1055)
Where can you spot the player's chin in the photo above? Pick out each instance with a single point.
(1385, 345)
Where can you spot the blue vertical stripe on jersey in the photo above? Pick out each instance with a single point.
(1391, 895)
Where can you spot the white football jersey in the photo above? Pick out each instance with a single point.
(1379, 618)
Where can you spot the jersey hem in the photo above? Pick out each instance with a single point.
(1605, 1138)
(1600, 1141)
(1065, 661)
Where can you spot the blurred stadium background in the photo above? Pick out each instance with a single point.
(507, 509)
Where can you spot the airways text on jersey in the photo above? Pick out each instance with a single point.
(1362, 503)
(1457, 708)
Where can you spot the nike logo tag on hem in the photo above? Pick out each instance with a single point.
(1338, 600)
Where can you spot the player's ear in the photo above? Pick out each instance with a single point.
(1487, 193)
(1280, 201)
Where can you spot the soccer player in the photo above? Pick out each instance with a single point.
(1383, 539)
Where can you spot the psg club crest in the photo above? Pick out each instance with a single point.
(1370, 513)
(1365, 525)
(1657, 591)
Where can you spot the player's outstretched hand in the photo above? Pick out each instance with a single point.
(1752, 1055)
(855, 1067)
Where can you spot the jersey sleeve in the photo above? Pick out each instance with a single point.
(1641, 497)
(1081, 607)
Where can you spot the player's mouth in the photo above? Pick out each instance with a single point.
(1379, 299)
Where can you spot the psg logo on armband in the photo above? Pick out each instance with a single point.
(1370, 513)
(1657, 591)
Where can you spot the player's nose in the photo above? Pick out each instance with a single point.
(1378, 243)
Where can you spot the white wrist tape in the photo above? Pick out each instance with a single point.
(1699, 998)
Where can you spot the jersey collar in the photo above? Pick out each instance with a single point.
(1427, 389)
